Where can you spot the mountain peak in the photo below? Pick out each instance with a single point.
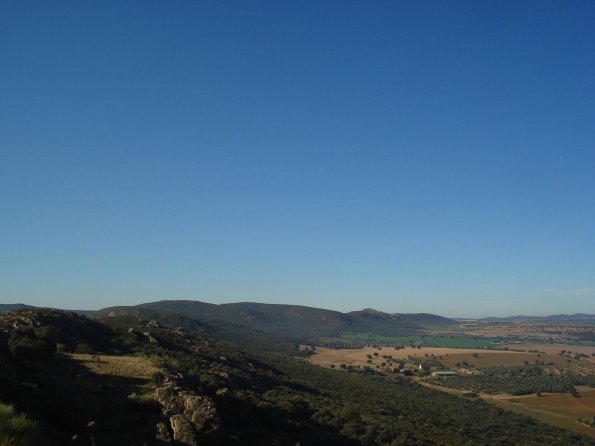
(372, 310)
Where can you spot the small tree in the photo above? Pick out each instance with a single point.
(26, 346)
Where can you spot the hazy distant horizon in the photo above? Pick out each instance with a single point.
(454, 316)
(406, 156)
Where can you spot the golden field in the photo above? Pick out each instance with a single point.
(558, 409)
(447, 356)
(124, 366)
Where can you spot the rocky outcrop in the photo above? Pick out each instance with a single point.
(150, 337)
(183, 430)
(124, 312)
(201, 411)
(162, 433)
(193, 418)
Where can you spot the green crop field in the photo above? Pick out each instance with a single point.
(427, 341)
(580, 343)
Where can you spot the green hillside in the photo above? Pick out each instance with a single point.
(72, 377)
(293, 321)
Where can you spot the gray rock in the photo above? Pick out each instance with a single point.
(191, 415)
(162, 433)
(201, 411)
(183, 430)
(169, 400)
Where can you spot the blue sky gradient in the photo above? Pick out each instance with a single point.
(406, 156)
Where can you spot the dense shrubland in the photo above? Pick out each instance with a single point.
(262, 397)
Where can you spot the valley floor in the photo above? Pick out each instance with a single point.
(557, 409)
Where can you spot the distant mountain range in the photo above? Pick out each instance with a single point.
(296, 321)
(292, 321)
(577, 318)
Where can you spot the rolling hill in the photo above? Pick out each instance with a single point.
(9, 307)
(573, 318)
(292, 321)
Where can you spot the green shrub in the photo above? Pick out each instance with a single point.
(143, 399)
(26, 345)
(17, 429)
(157, 378)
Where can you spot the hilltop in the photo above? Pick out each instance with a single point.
(10, 307)
(293, 321)
(575, 318)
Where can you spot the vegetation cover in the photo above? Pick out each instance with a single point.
(17, 428)
(423, 340)
(522, 380)
(254, 396)
(293, 321)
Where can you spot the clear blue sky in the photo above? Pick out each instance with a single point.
(407, 156)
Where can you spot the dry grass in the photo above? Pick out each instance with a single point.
(494, 358)
(124, 366)
(558, 409)
(447, 356)
(565, 404)
(554, 349)
(356, 356)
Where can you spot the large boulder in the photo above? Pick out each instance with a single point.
(183, 430)
(201, 411)
(169, 400)
(193, 418)
(162, 433)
